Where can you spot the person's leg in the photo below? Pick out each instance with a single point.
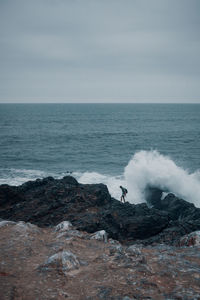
(124, 198)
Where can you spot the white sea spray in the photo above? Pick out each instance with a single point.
(150, 168)
(154, 169)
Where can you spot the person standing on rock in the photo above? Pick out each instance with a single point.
(124, 192)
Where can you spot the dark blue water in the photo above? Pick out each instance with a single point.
(56, 138)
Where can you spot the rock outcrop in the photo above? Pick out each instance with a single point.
(191, 239)
(64, 240)
(89, 207)
(63, 261)
(43, 265)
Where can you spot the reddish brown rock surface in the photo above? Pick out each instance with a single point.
(63, 263)
(192, 239)
(42, 261)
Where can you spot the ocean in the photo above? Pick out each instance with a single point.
(134, 145)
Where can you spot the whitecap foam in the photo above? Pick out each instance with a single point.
(18, 176)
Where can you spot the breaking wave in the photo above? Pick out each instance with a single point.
(146, 168)
(150, 168)
(154, 169)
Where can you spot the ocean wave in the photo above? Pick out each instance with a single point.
(146, 168)
(150, 168)
(18, 176)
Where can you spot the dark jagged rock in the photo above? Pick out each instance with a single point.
(49, 201)
(153, 196)
(184, 217)
(181, 213)
(125, 222)
(178, 209)
(9, 196)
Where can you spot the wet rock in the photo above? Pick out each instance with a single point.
(178, 209)
(70, 181)
(10, 196)
(184, 219)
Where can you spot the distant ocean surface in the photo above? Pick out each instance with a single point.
(130, 144)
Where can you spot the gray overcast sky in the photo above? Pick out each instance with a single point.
(100, 51)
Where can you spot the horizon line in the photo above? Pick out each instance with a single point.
(99, 102)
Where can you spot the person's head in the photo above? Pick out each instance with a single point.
(120, 186)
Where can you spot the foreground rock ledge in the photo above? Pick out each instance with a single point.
(63, 263)
(89, 207)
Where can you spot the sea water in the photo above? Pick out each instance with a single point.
(134, 145)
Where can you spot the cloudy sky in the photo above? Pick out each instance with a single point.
(100, 51)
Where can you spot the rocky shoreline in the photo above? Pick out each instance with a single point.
(89, 207)
(77, 242)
